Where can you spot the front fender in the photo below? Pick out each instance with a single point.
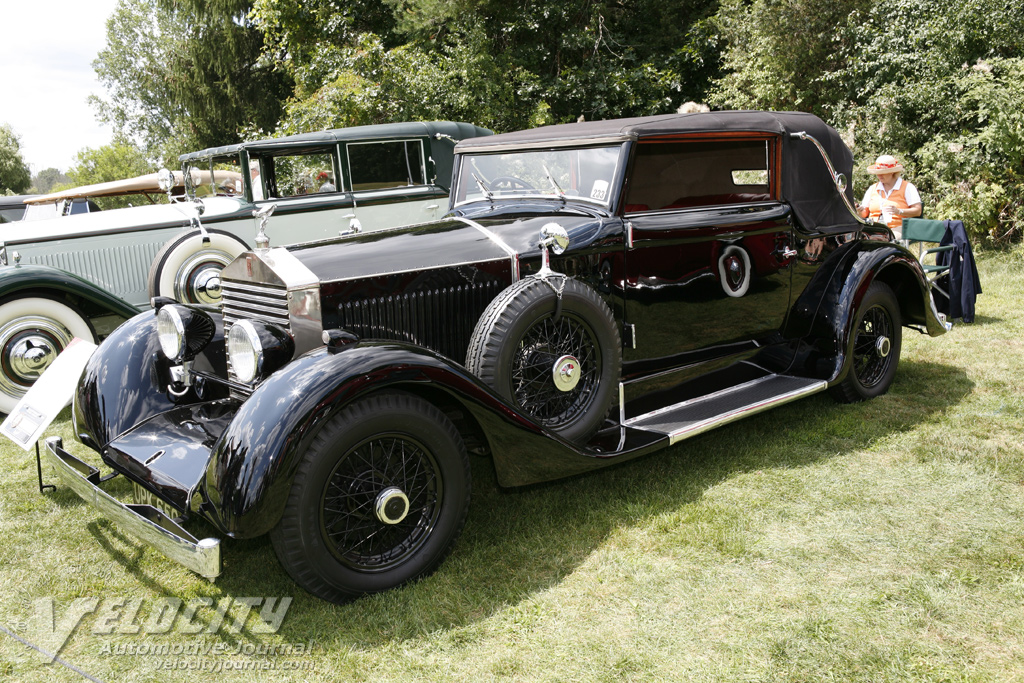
(825, 312)
(125, 381)
(36, 279)
(252, 465)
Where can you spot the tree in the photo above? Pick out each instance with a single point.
(118, 160)
(779, 54)
(186, 74)
(498, 64)
(46, 180)
(15, 177)
(940, 83)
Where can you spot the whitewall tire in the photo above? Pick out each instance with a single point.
(187, 269)
(33, 332)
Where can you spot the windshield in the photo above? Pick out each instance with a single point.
(214, 177)
(585, 173)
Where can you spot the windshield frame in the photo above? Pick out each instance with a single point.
(461, 178)
(206, 164)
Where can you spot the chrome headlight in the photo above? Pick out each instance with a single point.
(256, 349)
(245, 351)
(170, 330)
(182, 331)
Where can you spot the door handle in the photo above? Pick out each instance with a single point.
(431, 207)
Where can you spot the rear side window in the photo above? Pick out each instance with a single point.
(677, 175)
(379, 165)
(299, 174)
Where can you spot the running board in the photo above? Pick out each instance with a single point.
(698, 415)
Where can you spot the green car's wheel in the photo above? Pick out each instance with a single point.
(33, 332)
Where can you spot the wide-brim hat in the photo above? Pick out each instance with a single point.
(885, 164)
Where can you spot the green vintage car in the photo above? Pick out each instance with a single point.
(81, 275)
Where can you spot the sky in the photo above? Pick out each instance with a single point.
(46, 54)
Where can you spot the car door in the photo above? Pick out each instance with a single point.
(301, 182)
(709, 252)
(389, 184)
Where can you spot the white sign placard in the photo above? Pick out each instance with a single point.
(48, 396)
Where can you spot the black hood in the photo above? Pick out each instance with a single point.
(446, 243)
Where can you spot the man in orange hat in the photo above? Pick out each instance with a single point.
(892, 198)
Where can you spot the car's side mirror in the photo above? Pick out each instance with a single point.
(554, 236)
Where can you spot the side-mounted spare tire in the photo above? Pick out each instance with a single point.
(187, 269)
(558, 362)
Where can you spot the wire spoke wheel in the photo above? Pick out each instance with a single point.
(872, 346)
(556, 361)
(873, 351)
(533, 369)
(355, 528)
(379, 498)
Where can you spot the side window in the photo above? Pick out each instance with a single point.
(299, 174)
(379, 165)
(674, 175)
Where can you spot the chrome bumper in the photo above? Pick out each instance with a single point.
(143, 521)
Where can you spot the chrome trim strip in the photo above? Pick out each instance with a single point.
(400, 271)
(145, 522)
(513, 255)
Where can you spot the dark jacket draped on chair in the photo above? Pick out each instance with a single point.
(964, 285)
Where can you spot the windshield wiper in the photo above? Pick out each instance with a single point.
(483, 188)
(551, 180)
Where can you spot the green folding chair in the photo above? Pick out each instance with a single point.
(920, 231)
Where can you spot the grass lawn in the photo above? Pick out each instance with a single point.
(876, 542)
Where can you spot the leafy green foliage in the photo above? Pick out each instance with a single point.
(119, 160)
(499, 65)
(15, 177)
(183, 75)
(937, 83)
(778, 54)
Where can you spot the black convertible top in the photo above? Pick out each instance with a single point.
(805, 183)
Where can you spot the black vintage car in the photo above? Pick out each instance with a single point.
(598, 291)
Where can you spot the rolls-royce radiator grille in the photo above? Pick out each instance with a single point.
(247, 301)
(441, 319)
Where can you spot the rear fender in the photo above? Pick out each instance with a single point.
(825, 312)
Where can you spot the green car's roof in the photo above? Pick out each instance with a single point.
(382, 131)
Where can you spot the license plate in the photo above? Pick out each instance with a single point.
(141, 496)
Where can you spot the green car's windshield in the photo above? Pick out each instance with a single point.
(215, 177)
(581, 173)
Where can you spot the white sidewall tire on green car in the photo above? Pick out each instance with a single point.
(33, 331)
(185, 267)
